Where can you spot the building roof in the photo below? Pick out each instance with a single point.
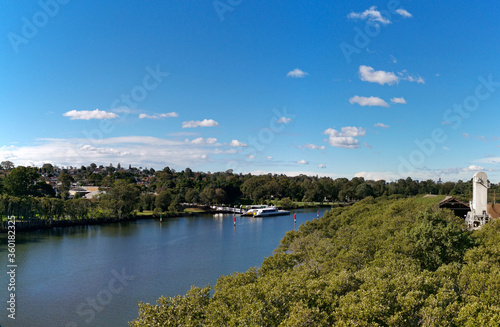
(451, 202)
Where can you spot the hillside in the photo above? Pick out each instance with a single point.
(380, 262)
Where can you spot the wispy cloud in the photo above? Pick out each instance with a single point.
(489, 160)
(346, 137)
(398, 100)
(371, 15)
(302, 162)
(159, 116)
(283, 120)
(202, 141)
(137, 150)
(381, 125)
(312, 146)
(404, 13)
(87, 114)
(368, 101)
(321, 166)
(296, 73)
(198, 123)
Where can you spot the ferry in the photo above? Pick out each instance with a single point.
(263, 211)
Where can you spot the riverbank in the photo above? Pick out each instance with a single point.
(38, 224)
(41, 224)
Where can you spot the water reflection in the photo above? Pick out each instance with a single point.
(65, 266)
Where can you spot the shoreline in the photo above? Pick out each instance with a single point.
(34, 225)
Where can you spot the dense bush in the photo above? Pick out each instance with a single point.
(380, 262)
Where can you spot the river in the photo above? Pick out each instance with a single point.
(96, 275)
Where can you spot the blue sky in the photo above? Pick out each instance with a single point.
(378, 89)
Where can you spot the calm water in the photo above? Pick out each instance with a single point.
(96, 275)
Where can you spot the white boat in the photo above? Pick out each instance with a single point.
(266, 211)
(253, 209)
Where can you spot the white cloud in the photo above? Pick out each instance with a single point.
(313, 146)
(237, 143)
(197, 123)
(302, 162)
(284, 120)
(368, 74)
(269, 158)
(345, 138)
(466, 135)
(381, 125)
(475, 168)
(159, 116)
(87, 114)
(398, 100)
(321, 166)
(368, 101)
(371, 15)
(296, 73)
(404, 13)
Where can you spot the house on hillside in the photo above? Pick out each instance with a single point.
(458, 207)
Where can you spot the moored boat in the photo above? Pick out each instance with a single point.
(266, 211)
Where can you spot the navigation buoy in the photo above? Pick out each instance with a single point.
(161, 218)
(234, 220)
(294, 218)
(317, 214)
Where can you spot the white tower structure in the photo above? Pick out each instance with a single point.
(478, 216)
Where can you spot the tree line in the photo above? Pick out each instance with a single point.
(26, 193)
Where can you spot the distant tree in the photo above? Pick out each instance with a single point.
(220, 195)
(95, 179)
(207, 195)
(286, 203)
(21, 181)
(364, 190)
(65, 180)
(175, 205)
(163, 200)
(47, 168)
(44, 189)
(147, 201)
(110, 169)
(126, 196)
(7, 165)
(188, 172)
(192, 195)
